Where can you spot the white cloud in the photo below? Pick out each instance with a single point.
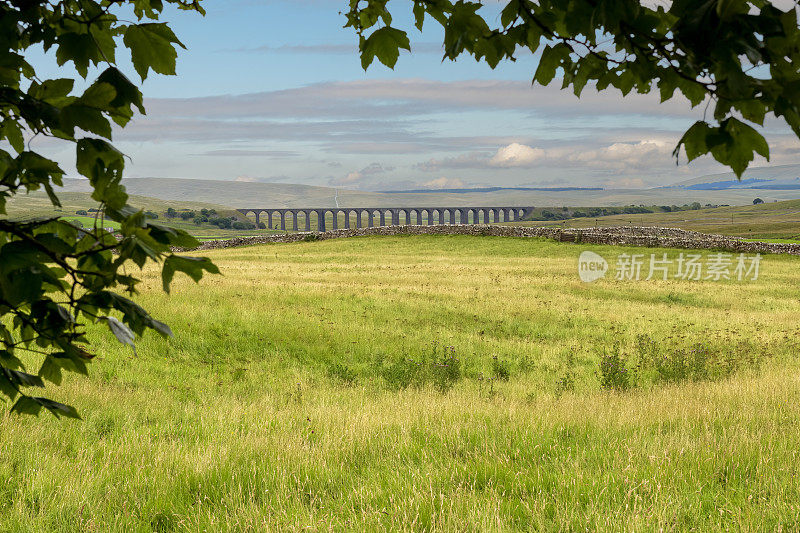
(625, 183)
(626, 156)
(350, 179)
(444, 183)
(516, 155)
(469, 160)
(373, 169)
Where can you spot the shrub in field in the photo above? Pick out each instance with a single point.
(697, 362)
(613, 371)
(440, 369)
(81, 212)
(220, 222)
(500, 369)
(566, 383)
(342, 373)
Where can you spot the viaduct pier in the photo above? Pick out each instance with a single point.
(368, 217)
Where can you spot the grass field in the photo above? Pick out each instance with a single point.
(777, 220)
(287, 400)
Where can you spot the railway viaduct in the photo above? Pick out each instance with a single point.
(385, 216)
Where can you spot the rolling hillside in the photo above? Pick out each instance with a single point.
(250, 195)
(779, 220)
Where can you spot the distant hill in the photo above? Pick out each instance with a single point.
(246, 195)
(495, 189)
(781, 177)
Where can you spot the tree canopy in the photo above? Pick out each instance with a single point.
(54, 276)
(738, 59)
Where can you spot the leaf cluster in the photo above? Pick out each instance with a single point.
(54, 276)
(738, 57)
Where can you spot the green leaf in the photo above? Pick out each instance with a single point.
(191, 266)
(122, 332)
(52, 90)
(103, 164)
(58, 409)
(551, 59)
(22, 379)
(127, 93)
(26, 406)
(87, 111)
(8, 360)
(11, 131)
(385, 44)
(151, 47)
(50, 371)
(694, 141)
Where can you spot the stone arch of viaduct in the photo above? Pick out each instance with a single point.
(367, 217)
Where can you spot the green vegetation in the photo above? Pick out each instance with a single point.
(312, 386)
(54, 276)
(776, 222)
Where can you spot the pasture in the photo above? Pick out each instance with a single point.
(774, 221)
(427, 383)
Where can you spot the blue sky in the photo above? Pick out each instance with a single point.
(274, 91)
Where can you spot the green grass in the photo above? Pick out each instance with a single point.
(275, 406)
(89, 221)
(776, 220)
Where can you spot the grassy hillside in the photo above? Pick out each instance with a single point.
(775, 220)
(779, 220)
(267, 195)
(427, 383)
(37, 204)
(781, 173)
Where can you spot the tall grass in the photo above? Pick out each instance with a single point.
(272, 408)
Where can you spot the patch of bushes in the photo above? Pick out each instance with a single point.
(655, 363)
(566, 383)
(440, 369)
(220, 222)
(81, 212)
(500, 369)
(342, 373)
(239, 224)
(613, 371)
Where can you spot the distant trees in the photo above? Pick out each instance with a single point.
(81, 212)
(171, 213)
(758, 201)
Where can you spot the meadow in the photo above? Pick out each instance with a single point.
(427, 383)
(775, 221)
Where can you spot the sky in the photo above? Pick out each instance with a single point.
(273, 91)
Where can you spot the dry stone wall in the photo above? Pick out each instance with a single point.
(625, 236)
